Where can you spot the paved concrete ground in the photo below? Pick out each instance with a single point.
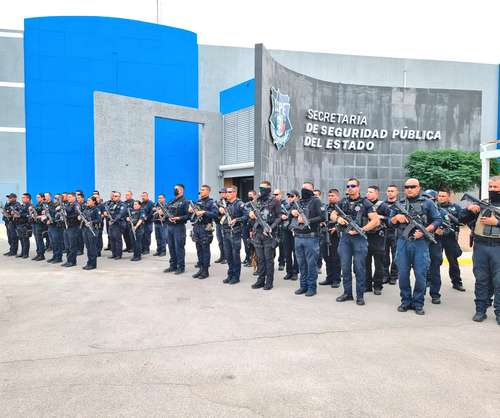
(129, 340)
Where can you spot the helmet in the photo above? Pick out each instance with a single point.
(430, 194)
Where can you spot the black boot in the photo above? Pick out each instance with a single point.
(197, 274)
(204, 274)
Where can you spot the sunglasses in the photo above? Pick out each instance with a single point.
(275, 194)
(411, 186)
(351, 186)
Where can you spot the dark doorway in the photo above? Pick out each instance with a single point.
(244, 184)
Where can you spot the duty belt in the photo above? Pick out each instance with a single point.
(487, 240)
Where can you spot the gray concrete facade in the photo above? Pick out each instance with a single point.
(124, 134)
(455, 114)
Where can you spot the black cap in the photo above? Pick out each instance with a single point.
(293, 193)
(11, 195)
(223, 190)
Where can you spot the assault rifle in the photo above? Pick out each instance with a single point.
(351, 224)
(266, 229)
(486, 206)
(84, 220)
(129, 219)
(414, 222)
(295, 221)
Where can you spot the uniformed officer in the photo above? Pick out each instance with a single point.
(331, 254)
(234, 215)
(47, 199)
(390, 267)
(136, 219)
(486, 251)
(100, 230)
(322, 241)
(265, 241)
(91, 223)
(203, 213)
(353, 248)
(247, 228)
(218, 229)
(39, 228)
(116, 213)
(306, 219)
(73, 230)
(177, 216)
(449, 237)
(160, 227)
(55, 225)
(412, 247)
(11, 208)
(147, 206)
(129, 204)
(376, 243)
(105, 204)
(291, 263)
(23, 220)
(80, 201)
(279, 233)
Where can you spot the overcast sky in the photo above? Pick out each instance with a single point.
(433, 29)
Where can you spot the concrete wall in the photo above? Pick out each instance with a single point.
(456, 114)
(222, 67)
(12, 137)
(124, 137)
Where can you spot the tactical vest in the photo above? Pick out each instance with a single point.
(355, 209)
(488, 231)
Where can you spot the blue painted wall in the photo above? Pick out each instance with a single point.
(237, 97)
(176, 152)
(67, 59)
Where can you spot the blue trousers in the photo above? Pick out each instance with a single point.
(57, 241)
(202, 239)
(486, 269)
(115, 239)
(176, 236)
(146, 237)
(12, 237)
(161, 237)
(91, 243)
(353, 250)
(73, 233)
(412, 255)
(434, 273)
(307, 252)
(220, 240)
(39, 230)
(232, 247)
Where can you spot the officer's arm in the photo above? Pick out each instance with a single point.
(277, 214)
(373, 220)
(211, 213)
(435, 217)
(315, 215)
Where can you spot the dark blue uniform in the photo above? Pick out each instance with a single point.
(24, 228)
(449, 242)
(55, 226)
(160, 231)
(218, 234)
(117, 227)
(436, 259)
(136, 215)
(176, 233)
(10, 224)
(232, 239)
(129, 204)
(90, 236)
(203, 234)
(147, 207)
(73, 232)
(390, 267)
(330, 251)
(291, 263)
(414, 253)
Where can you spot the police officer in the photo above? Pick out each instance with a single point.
(92, 216)
(147, 206)
(160, 227)
(129, 204)
(47, 199)
(234, 215)
(412, 246)
(247, 228)
(218, 229)
(136, 219)
(116, 213)
(203, 213)
(11, 207)
(322, 241)
(177, 217)
(449, 237)
(390, 267)
(39, 228)
(486, 250)
(23, 220)
(73, 230)
(435, 253)
(279, 232)
(265, 242)
(55, 225)
(291, 264)
(100, 230)
(331, 254)
(305, 225)
(80, 201)
(376, 243)
(353, 248)
(105, 204)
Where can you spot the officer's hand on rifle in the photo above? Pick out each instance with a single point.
(79, 217)
(474, 208)
(489, 220)
(399, 218)
(222, 211)
(342, 221)
(252, 215)
(199, 213)
(233, 221)
(418, 234)
(295, 213)
(300, 219)
(190, 209)
(284, 217)
(440, 231)
(128, 219)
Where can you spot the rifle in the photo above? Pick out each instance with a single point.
(46, 213)
(266, 229)
(195, 208)
(161, 207)
(131, 223)
(32, 213)
(106, 207)
(350, 222)
(84, 220)
(328, 237)
(484, 205)
(64, 215)
(295, 222)
(414, 222)
(227, 215)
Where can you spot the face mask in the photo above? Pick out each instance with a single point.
(306, 193)
(250, 198)
(176, 192)
(265, 191)
(494, 197)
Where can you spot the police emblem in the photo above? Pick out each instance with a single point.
(279, 121)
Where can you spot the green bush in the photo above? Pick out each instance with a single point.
(460, 171)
